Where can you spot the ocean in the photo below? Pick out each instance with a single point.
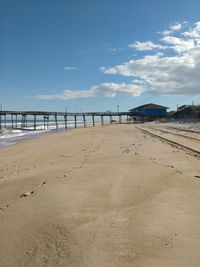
(9, 136)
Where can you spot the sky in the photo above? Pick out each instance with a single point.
(75, 55)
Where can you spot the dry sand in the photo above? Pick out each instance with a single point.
(104, 196)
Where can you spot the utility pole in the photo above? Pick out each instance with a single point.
(118, 109)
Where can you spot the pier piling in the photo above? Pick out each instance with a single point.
(84, 121)
(23, 121)
(110, 119)
(56, 121)
(35, 122)
(12, 122)
(16, 123)
(5, 121)
(75, 122)
(65, 118)
(93, 123)
(102, 121)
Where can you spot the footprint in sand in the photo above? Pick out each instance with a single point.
(4, 208)
(62, 156)
(63, 176)
(42, 184)
(170, 166)
(152, 158)
(27, 194)
(32, 192)
(155, 162)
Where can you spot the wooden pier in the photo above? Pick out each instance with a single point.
(29, 120)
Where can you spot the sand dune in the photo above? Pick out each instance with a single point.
(104, 196)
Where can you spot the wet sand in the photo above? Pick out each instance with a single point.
(104, 196)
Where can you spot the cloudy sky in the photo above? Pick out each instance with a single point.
(94, 55)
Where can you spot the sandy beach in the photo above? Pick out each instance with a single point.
(111, 195)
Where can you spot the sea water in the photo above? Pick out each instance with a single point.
(9, 136)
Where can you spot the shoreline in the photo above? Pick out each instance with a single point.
(32, 135)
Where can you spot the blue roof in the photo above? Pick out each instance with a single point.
(149, 106)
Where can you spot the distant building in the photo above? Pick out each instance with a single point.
(188, 112)
(149, 110)
(182, 107)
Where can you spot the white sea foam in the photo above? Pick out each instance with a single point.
(10, 136)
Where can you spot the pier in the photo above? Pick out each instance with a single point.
(29, 120)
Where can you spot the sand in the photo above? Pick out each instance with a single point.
(103, 196)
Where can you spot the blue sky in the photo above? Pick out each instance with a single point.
(94, 55)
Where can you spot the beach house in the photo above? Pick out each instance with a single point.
(149, 111)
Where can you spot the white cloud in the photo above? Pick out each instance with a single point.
(85, 51)
(114, 49)
(193, 32)
(166, 32)
(176, 27)
(163, 73)
(172, 29)
(70, 68)
(146, 46)
(178, 44)
(103, 90)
